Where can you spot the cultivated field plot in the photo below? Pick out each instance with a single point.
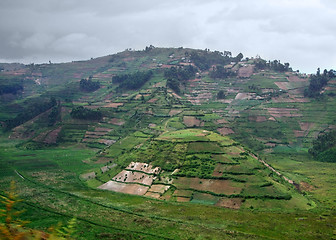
(225, 131)
(216, 186)
(134, 177)
(284, 112)
(143, 167)
(233, 203)
(113, 105)
(191, 121)
(159, 188)
(246, 71)
(134, 189)
(174, 112)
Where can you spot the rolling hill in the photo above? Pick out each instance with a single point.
(170, 143)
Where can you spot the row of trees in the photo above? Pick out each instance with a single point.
(274, 65)
(88, 85)
(205, 59)
(132, 81)
(176, 76)
(220, 72)
(324, 147)
(86, 114)
(317, 82)
(33, 109)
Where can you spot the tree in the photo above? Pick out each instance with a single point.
(221, 94)
(89, 85)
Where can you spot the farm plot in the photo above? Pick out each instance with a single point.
(174, 112)
(143, 167)
(134, 177)
(113, 105)
(233, 203)
(159, 188)
(225, 131)
(134, 189)
(216, 186)
(191, 121)
(283, 112)
(246, 71)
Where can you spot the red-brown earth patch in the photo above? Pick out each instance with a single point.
(246, 71)
(225, 131)
(52, 136)
(191, 121)
(174, 112)
(233, 203)
(113, 105)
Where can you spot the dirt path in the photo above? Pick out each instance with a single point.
(273, 170)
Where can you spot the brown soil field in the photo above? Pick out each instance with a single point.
(143, 167)
(233, 203)
(283, 112)
(182, 199)
(153, 100)
(191, 121)
(245, 72)
(212, 185)
(133, 177)
(153, 195)
(100, 129)
(221, 121)
(52, 136)
(134, 189)
(225, 131)
(174, 112)
(117, 121)
(113, 105)
(159, 188)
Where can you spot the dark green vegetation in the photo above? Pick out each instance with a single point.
(89, 85)
(318, 82)
(85, 113)
(324, 147)
(231, 137)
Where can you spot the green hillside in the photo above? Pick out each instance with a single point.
(171, 143)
